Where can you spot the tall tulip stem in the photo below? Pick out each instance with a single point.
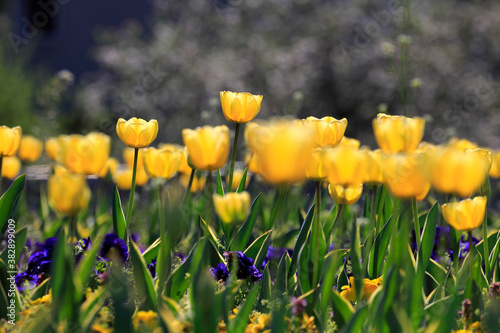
(161, 210)
(73, 230)
(318, 201)
(132, 189)
(190, 184)
(416, 221)
(1, 164)
(485, 246)
(233, 157)
(471, 261)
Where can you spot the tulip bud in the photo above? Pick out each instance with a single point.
(10, 138)
(11, 166)
(396, 134)
(136, 132)
(465, 215)
(30, 148)
(240, 107)
(345, 195)
(233, 208)
(207, 146)
(68, 193)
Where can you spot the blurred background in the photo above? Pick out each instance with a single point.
(169, 59)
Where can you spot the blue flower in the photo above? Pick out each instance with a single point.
(38, 265)
(113, 246)
(246, 268)
(152, 267)
(23, 277)
(81, 246)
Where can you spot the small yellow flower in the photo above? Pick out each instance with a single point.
(369, 287)
(345, 195)
(240, 107)
(97, 328)
(161, 163)
(30, 148)
(11, 166)
(346, 166)
(136, 132)
(46, 299)
(281, 149)
(111, 166)
(465, 215)
(374, 174)
(207, 147)
(84, 154)
(146, 319)
(316, 169)
(406, 175)
(237, 176)
(10, 138)
(198, 182)
(397, 134)
(68, 193)
(51, 148)
(328, 131)
(232, 208)
(123, 178)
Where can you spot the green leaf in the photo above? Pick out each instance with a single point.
(341, 307)
(180, 279)
(240, 240)
(19, 239)
(9, 200)
(494, 253)
(241, 186)
(357, 322)
(84, 269)
(152, 251)
(119, 223)
(265, 292)
(41, 290)
(304, 232)
(317, 250)
(206, 307)
(91, 307)
(239, 323)
(355, 253)
(143, 279)
(428, 237)
(220, 189)
(379, 248)
(212, 237)
(258, 249)
(281, 284)
(333, 262)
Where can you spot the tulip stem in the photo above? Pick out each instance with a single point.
(73, 230)
(132, 189)
(486, 245)
(233, 157)
(1, 164)
(190, 184)
(318, 202)
(416, 221)
(471, 262)
(161, 212)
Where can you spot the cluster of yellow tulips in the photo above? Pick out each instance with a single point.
(280, 151)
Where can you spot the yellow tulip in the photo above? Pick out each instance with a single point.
(345, 195)
(281, 149)
(123, 178)
(30, 148)
(374, 174)
(233, 208)
(128, 157)
(495, 165)
(240, 107)
(207, 147)
(459, 171)
(251, 162)
(465, 215)
(161, 163)
(51, 148)
(183, 164)
(10, 138)
(406, 175)
(349, 143)
(83, 154)
(68, 193)
(111, 166)
(136, 132)
(11, 166)
(237, 176)
(198, 182)
(397, 134)
(461, 144)
(316, 169)
(328, 131)
(346, 166)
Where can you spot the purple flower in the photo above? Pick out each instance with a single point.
(298, 306)
(113, 246)
(246, 267)
(38, 265)
(23, 277)
(152, 267)
(274, 254)
(220, 272)
(81, 246)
